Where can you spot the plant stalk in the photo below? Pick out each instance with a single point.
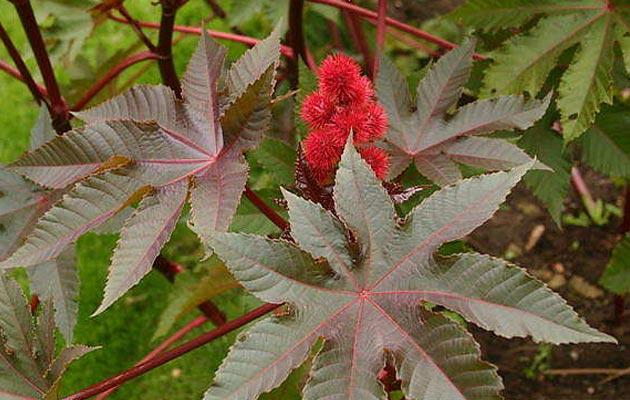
(358, 37)
(295, 38)
(165, 46)
(21, 66)
(17, 75)
(170, 355)
(136, 28)
(59, 110)
(265, 209)
(381, 30)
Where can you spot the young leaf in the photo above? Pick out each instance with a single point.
(147, 140)
(432, 140)
(28, 367)
(524, 62)
(369, 306)
(616, 277)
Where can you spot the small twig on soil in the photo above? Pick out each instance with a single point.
(587, 371)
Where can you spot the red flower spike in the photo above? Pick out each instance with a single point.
(377, 159)
(317, 110)
(322, 154)
(340, 80)
(344, 103)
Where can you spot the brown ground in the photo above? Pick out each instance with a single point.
(512, 227)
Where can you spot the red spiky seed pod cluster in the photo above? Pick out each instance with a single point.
(343, 103)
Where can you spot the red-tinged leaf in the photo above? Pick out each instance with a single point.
(425, 133)
(369, 308)
(141, 239)
(148, 140)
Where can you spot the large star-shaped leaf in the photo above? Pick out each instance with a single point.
(424, 132)
(524, 61)
(28, 366)
(147, 144)
(367, 305)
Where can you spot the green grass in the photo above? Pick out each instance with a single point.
(124, 332)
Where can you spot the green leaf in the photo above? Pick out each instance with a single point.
(435, 140)
(550, 187)
(524, 62)
(277, 158)
(371, 310)
(493, 15)
(606, 145)
(587, 83)
(65, 27)
(616, 277)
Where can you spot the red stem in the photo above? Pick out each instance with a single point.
(295, 37)
(265, 209)
(170, 355)
(372, 17)
(165, 46)
(136, 28)
(381, 30)
(58, 108)
(111, 74)
(286, 50)
(17, 75)
(21, 66)
(358, 37)
(197, 322)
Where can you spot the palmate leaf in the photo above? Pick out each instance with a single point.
(524, 61)
(367, 304)
(28, 367)
(148, 145)
(433, 140)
